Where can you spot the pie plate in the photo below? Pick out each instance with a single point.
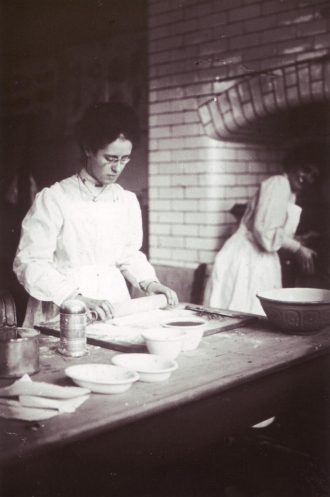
(102, 378)
(150, 367)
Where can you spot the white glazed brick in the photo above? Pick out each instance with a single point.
(154, 240)
(246, 179)
(236, 192)
(160, 253)
(170, 118)
(201, 217)
(161, 229)
(184, 179)
(160, 156)
(184, 155)
(170, 168)
(185, 230)
(184, 255)
(188, 129)
(153, 193)
(171, 143)
(195, 142)
(217, 179)
(153, 217)
(153, 145)
(207, 257)
(159, 180)
(190, 166)
(160, 107)
(215, 204)
(185, 205)
(159, 132)
(171, 242)
(210, 231)
(236, 166)
(154, 169)
(218, 154)
(191, 117)
(205, 192)
(172, 192)
(202, 243)
(159, 205)
(170, 217)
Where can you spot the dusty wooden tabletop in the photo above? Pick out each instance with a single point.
(221, 362)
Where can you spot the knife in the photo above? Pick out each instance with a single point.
(214, 311)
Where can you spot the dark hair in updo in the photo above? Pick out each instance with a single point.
(304, 157)
(103, 123)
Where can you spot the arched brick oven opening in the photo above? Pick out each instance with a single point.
(276, 106)
(280, 108)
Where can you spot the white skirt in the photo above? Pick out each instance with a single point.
(241, 270)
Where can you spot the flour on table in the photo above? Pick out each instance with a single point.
(129, 329)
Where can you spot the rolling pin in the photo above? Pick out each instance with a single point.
(133, 306)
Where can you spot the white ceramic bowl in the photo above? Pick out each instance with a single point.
(298, 310)
(102, 378)
(164, 342)
(150, 367)
(192, 326)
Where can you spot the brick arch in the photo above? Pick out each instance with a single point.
(262, 108)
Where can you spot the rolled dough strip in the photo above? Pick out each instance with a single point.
(141, 304)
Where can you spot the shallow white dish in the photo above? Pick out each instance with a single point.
(164, 342)
(150, 367)
(192, 326)
(102, 378)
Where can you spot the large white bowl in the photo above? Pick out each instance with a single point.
(193, 327)
(150, 367)
(297, 309)
(164, 342)
(102, 378)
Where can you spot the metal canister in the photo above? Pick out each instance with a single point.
(73, 328)
(19, 352)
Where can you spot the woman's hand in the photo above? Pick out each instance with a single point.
(307, 237)
(97, 309)
(305, 257)
(154, 287)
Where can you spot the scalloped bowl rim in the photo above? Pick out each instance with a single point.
(76, 372)
(286, 296)
(148, 357)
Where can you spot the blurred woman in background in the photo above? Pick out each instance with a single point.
(248, 262)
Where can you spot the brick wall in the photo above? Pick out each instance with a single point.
(196, 49)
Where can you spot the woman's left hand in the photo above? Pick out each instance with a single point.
(305, 257)
(156, 287)
(307, 237)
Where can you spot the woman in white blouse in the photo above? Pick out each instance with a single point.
(82, 236)
(248, 262)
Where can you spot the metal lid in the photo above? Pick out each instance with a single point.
(73, 306)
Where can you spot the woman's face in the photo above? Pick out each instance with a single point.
(106, 164)
(300, 179)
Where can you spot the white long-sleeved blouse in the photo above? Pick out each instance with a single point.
(71, 243)
(266, 216)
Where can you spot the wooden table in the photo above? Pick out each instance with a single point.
(233, 380)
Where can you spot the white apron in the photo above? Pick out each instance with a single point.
(242, 269)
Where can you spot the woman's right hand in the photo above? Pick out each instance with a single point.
(305, 257)
(96, 309)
